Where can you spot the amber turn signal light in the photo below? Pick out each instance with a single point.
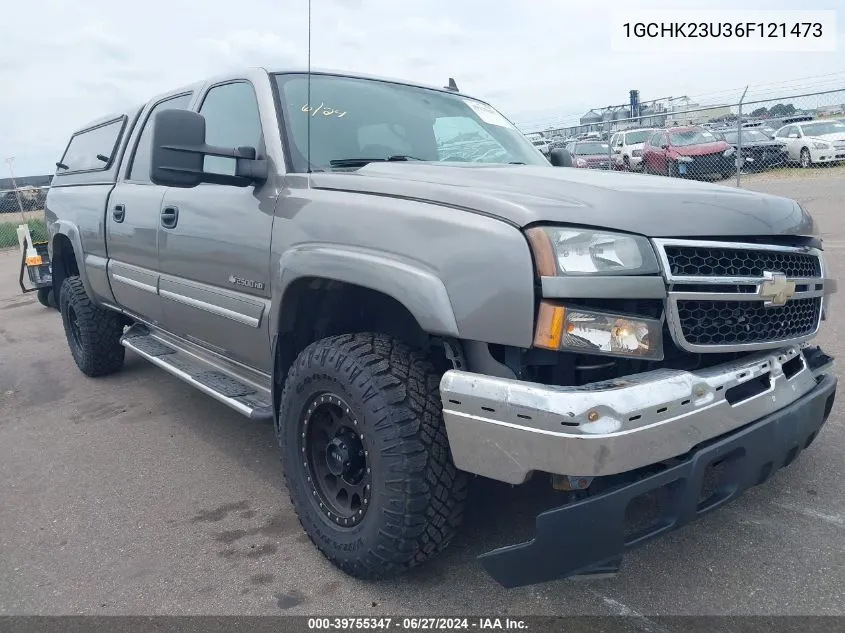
(549, 326)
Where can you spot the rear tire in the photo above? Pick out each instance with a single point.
(93, 333)
(365, 454)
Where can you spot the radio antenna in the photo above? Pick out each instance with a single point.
(308, 97)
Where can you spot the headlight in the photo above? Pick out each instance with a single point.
(729, 152)
(571, 251)
(581, 162)
(563, 328)
(637, 153)
(685, 159)
(821, 145)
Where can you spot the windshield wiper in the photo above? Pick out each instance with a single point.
(360, 162)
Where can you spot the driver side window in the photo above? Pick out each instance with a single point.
(231, 120)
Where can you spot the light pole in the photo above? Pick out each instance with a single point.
(15, 186)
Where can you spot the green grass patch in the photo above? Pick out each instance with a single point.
(9, 232)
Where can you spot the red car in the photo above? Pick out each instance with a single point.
(688, 151)
(590, 154)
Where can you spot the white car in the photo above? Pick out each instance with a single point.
(814, 142)
(628, 148)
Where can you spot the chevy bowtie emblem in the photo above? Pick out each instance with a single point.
(776, 289)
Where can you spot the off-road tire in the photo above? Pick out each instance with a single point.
(46, 297)
(805, 161)
(417, 495)
(94, 340)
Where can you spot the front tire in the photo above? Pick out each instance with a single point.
(365, 454)
(93, 333)
(805, 161)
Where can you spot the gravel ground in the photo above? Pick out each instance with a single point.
(135, 494)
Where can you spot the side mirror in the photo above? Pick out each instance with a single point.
(560, 158)
(179, 150)
(664, 145)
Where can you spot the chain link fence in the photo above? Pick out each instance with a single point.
(719, 142)
(24, 204)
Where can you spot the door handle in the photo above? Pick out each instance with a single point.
(119, 213)
(169, 217)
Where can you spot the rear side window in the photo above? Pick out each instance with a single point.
(92, 149)
(140, 168)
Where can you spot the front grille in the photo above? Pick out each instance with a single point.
(691, 261)
(742, 322)
(710, 162)
(726, 296)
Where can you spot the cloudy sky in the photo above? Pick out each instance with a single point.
(64, 63)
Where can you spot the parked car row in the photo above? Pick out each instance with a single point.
(699, 152)
(690, 151)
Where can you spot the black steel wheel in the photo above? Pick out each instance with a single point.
(335, 454)
(365, 454)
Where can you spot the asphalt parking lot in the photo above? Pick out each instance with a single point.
(135, 494)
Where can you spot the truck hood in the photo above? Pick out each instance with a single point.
(521, 195)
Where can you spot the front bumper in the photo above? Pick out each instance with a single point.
(832, 155)
(590, 537)
(506, 429)
(762, 158)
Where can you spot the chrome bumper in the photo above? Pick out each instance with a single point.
(505, 429)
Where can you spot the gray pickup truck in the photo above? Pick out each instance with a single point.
(410, 292)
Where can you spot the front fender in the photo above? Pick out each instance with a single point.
(418, 289)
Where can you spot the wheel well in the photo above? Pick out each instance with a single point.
(63, 263)
(314, 308)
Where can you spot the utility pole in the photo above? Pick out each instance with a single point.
(15, 186)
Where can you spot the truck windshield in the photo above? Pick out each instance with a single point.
(354, 120)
